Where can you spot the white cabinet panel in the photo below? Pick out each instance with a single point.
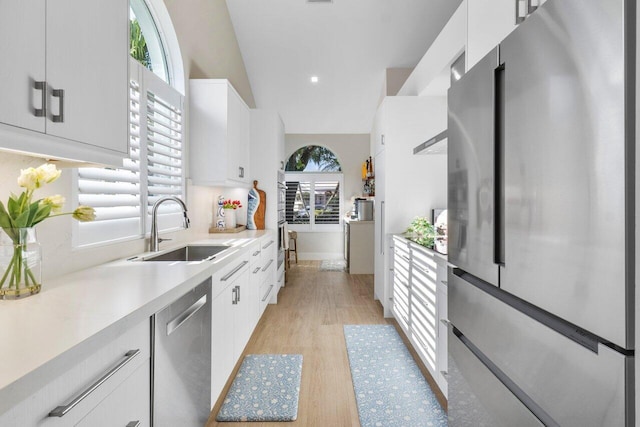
(23, 62)
(220, 132)
(222, 360)
(488, 23)
(87, 58)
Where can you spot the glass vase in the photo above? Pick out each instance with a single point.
(20, 263)
(230, 218)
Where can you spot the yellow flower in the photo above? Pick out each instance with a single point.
(47, 173)
(28, 179)
(56, 202)
(84, 213)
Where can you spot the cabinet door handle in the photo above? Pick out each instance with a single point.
(264, 298)
(382, 139)
(234, 295)
(234, 271)
(444, 373)
(267, 266)
(256, 253)
(241, 172)
(238, 293)
(268, 244)
(185, 315)
(42, 87)
(61, 411)
(256, 270)
(133, 424)
(59, 93)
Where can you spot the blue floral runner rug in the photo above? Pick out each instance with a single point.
(266, 388)
(389, 387)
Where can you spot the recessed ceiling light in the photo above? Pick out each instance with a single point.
(314, 80)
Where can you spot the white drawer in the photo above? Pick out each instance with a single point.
(127, 352)
(229, 273)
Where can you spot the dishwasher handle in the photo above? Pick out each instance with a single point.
(179, 320)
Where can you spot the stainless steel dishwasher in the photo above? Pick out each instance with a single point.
(182, 360)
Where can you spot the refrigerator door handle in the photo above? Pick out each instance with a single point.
(498, 161)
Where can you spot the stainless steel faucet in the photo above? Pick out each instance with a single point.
(154, 242)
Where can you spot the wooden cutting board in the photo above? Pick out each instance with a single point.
(258, 216)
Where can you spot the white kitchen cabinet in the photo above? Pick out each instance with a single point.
(65, 80)
(488, 23)
(123, 361)
(359, 248)
(267, 159)
(419, 292)
(230, 318)
(407, 185)
(269, 282)
(219, 133)
(442, 340)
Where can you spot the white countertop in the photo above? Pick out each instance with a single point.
(74, 313)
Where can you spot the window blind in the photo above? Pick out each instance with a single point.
(123, 197)
(314, 201)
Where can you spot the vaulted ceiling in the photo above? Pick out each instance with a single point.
(347, 44)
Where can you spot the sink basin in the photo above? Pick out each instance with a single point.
(189, 253)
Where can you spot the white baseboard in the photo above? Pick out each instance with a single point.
(319, 256)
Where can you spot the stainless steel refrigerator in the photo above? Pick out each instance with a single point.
(542, 223)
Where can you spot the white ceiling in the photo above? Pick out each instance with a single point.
(348, 44)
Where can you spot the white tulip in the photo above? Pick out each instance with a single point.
(56, 202)
(28, 179)
(47, 173)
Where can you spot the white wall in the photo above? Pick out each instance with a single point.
(351, 151)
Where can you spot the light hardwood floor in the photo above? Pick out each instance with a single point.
(308, 320)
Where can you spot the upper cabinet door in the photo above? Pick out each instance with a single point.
(22, 44)
(87, 58)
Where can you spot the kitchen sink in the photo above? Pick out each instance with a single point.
(189, 253)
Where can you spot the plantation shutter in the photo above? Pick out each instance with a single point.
(314, 201)
(164, 143)
(123, 197)
(114, 193)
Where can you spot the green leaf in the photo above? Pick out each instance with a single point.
(22, 220)
(33, 210)
(5, 219)
(13, 206)
(42, 214)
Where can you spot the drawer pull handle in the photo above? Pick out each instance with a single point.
(58, 93)
(234, 271)
(264, 298)
(42, 87)
(268, 244)
(61, 411)
(234, 295)
(267, 266)
(444, 282)
(238, 293)
(185, 315)
(256, 253)
(256, 270)
(133, 424)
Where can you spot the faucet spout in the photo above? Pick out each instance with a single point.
(154, 241)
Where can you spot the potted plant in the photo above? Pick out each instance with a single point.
(421, 231)
(229, 206)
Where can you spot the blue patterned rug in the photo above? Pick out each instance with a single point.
(390, 389)
(266, 388)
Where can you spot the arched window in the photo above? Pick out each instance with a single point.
(123, 197)
(314, 189)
